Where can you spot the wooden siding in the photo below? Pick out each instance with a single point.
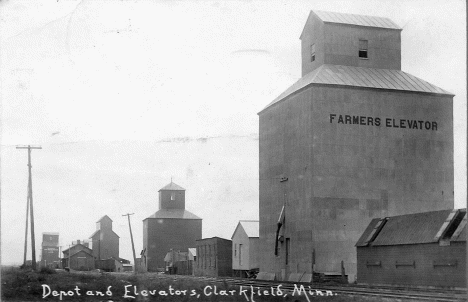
(214, 257)
(413, 265)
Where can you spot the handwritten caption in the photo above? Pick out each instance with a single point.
(247, 292)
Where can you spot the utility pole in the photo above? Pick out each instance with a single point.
(133, 246)
(30, 199)
(26, 231)
(69, 257)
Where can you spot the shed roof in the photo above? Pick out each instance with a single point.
(193, 251)
(174, 214)
(172, 187)
(416, 228)
(358, 20)
(351, 76)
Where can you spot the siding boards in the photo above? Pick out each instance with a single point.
(431, 265)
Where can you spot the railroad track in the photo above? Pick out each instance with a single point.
(352, 290)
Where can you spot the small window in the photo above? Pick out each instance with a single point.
(363, 47)
(312, 52)
(235, 250)
(172, 196)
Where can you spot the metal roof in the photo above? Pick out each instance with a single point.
(412, 228)
(172, 187)
(174, 213)
(361, 77)
(251, 227)
(359, 20)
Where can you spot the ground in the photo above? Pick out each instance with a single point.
(50, 285)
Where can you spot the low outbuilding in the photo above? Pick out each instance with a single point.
(214, 257)
(78, 257)
(245, 248)
(423, 249)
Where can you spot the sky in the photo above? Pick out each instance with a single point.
(125, 95)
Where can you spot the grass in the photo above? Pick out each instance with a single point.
(26, 285)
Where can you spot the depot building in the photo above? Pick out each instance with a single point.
(353, 139)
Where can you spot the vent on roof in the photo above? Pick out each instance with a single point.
(459, 229)
(378, 227)
(450, 225)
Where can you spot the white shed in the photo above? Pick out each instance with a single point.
(245, 247)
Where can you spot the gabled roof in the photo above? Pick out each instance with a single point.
(251, 228)
(341, 75)
(98, 231)
(84, 251)
(105, 216)
(215, 238)
(84, 247)
(172, 187)
(358, 20)
(427, 227)
(174, 214)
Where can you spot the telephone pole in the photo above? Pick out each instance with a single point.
(133, 246)
(30, 202)
(26, 231)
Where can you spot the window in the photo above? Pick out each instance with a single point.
(235, 250)
(363, 47)
(172, 196)
(287, 250)
(312, 52)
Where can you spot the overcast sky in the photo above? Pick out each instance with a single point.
(124, 95)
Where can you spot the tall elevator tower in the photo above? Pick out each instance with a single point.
(356, 138)
(172, 227)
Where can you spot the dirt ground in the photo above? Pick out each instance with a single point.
(26, 285)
